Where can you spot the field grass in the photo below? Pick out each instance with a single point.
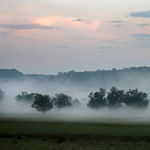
(23, 134)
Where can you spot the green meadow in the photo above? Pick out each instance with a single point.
(18, 133)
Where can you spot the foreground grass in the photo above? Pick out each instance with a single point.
(56, 135)
(63, 142)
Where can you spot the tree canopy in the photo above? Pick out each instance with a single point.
(97, 99)
(62, 100)
(134, 98)
(115, 97)
(25, 97)
(42, 103)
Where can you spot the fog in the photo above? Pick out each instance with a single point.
(9, 107)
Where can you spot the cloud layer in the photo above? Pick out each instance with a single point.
(144, 14)
(143, 25)
(78, 20)
(141, 35)
(26, 26)
(119, 21)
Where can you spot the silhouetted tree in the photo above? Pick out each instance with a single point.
(62, 100)
(2, 95)
(136, 99)
(42, 103)
(97, 99)
(115, 97)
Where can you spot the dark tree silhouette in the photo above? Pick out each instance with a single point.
(115, 97)
(42, 103)
(62, 100)
(134, 98)
(97, 99)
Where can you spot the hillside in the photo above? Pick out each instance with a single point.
(10, 74)
(127, 77)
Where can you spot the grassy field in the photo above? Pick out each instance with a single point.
(24, 134)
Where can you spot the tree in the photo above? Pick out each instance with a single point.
(62, 100)
(24, 96)
(2, 95)
(76, 103)
(97, 99)
(115, 97)
(136, 99)
(42, 103)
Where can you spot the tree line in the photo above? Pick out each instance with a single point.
(105, 78)
(117, 98)
(44, 102)
(113, 99)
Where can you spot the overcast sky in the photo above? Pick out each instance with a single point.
(49, 36)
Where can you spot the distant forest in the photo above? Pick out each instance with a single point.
(127, 77)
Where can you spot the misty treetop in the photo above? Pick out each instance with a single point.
(42, 103)
(115, 97)
(25, 97)
(62, 100)
(76, 103)
(97, 99)
(2, 95)
(134, 98)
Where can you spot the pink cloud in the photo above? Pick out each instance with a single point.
(71, 30)
(67, 22)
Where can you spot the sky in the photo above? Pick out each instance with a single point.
(47, 37)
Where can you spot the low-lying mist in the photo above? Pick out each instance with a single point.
(21, 111)
(9, 107)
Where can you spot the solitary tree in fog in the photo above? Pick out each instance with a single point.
(97, 99)
(136, 99)
(2, 95)
(115, 97)
(42, 103)
(62, 100)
